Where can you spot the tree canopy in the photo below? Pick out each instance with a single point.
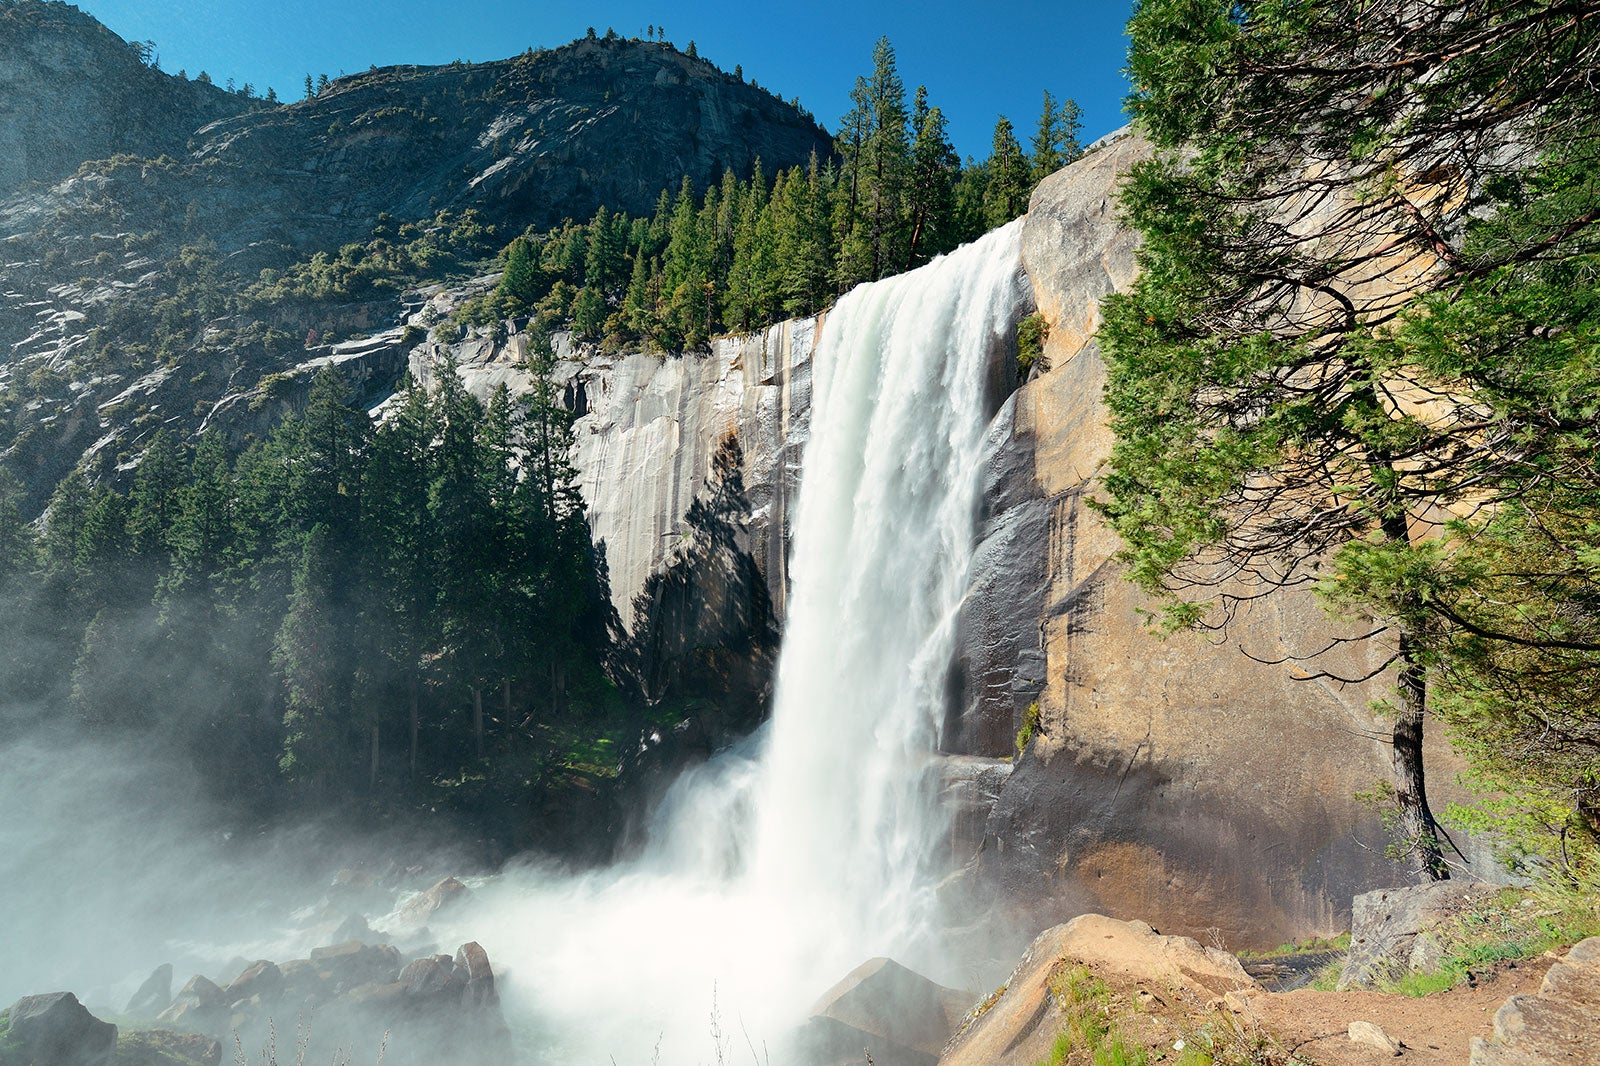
(1360, 354)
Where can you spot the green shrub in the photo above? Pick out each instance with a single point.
(1030, 726)
(1032, 332)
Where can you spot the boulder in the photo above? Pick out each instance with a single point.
(200, 1004)
(417, 911)
(899, 1016)
(473, 961)
(353, 963)
(56, 1030)
(1393, 930)
(1558, 1025)
(154, 996)
(358, 888)
(354, 927)
(305, 982)
(383, 998)
(433, 979)
(260, 980)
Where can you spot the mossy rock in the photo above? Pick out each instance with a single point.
(166, 1047)
(10, 1050)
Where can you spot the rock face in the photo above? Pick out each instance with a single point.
(1555, 1026)
(56, 1030)
(1393, 930)
(648, 434)
(1176, 780)
(899, 1017)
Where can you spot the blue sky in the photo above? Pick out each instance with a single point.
(977, 60)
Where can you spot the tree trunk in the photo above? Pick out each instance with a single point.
(1419, 832)
(416, 725)
(477, 719)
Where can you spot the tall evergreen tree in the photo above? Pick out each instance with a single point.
(1009, 181)
(931, 190)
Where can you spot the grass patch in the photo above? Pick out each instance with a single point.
(1088, 1023)
(1326, 979)
(1317, 945)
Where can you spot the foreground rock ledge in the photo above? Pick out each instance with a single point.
(1017, 1028)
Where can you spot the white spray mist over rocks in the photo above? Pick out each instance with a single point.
(784, 863)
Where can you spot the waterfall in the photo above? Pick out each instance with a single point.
(780, 865)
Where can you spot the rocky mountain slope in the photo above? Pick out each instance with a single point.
(117, 282)
(53, 117)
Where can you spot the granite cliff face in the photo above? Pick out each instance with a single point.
(1182, 781)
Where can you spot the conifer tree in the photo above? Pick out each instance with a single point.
(309, 654)
(873, 141)
(931, 192)
(1009, 181)
(1055, 142)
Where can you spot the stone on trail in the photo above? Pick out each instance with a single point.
(1370, 1035)
(1561, 1024)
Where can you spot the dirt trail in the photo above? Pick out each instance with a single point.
(1435, 1029)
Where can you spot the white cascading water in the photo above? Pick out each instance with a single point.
(779, 866)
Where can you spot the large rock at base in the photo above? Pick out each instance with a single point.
(473, 961)
(900, 1017)
(1394, 930)
(56, 1030)
(1559, 1025)
(1018, 1026)
(154, 996)
(439, 898)
(433, 980)
(200, 1005)
(353, 964)
(261, 978)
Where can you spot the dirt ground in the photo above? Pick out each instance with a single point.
(1435, 1029)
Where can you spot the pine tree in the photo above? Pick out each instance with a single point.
(870, 219)
(316, 676)
(931, 191)
(1055, 142)
(404, 548)
(1009, 181)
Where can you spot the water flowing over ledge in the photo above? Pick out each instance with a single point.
(777, 867)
